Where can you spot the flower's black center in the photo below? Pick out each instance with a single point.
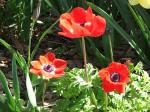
(82, 24)
(115, 77)
(48, 68)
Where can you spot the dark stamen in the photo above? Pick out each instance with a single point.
(48, 68)
(82, 24)
(115, 77)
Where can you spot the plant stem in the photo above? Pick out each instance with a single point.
(30, 39)
(105, 102)
(92, 95)
(93, 99)
(85, 59)
(110, 48)
(44, 90)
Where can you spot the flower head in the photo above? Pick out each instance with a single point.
(80, 22)
(48, 66)
(114, 77)
(143, 3)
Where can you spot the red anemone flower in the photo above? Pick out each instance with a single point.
(114, 77)
(48, 66)
(81, 23)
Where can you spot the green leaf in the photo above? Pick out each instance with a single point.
(21, 61)
(108, 47)
(9, 96)
(37, 81)
(143, 27)
(2, 99)
(122, 6)
(48, 3)
(53, 7)
(145, 15)
(4, 104)
(30, 91)
(101, 58)
(19, 58)
(122, 32)
(15, 79)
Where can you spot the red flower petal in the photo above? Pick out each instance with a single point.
(35, 71)
(99, 26)
(72, 30)
(125, 73)
(89, 14)
(43, 60)
(108, 84)
(121, 69)
(36, 64)
(103, 73)
(89, 10)
(60, 64)
(88, 25)
(50, 56)
(81, 23)
(80, 31)
(49, 59)
(59, 72)
(78, 14)
(66, 26)
(120, 88)
(66, 34)
(66, 16)
(59, 75)
(47, 75)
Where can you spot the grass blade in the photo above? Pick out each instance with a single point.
(15, 79)
(30, 91)
(143, 27)
(125, 35)
(108, 47)
(24, 67)
(7, 90)
(101, 58)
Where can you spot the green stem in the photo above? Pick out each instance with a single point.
(92, 95)
(85, 59)
(30, 40)
(110, 48)
(93, 99)
(44, 90)
(105, 102)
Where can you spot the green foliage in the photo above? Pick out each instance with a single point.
(75, 90)
(4, 104)
(15, 103)
(22, 63)
(11, 101)
(122, 32)
(75, 95)
(15, 79)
